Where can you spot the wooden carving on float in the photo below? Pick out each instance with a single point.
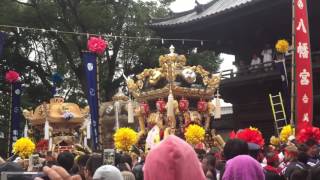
(187, 84)
(58, 122)
(113, 114)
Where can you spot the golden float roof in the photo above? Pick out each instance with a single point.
(174, 74)
(54, 113)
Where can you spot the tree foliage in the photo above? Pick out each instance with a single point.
(39, 54)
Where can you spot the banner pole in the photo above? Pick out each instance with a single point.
(293, 65)
(10, 123)
(99, 101)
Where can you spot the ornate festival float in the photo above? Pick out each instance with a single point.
(173, 99)
(62, 125)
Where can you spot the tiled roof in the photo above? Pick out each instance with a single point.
(214, 7)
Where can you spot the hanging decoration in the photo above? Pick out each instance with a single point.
(97, 45)
(25, 130)
(145, 109)
(161, 105)
(303, 66)
(124, 138)
(42, 145)
(170, 105)
(12, 76)
(56, 78)
(117, 112)
(24, 148)
(2, 41)
(183, 105)
(194, 134)
(282, 46)
(130, 112)
(41, 30)
(202, 106)
(92, 94)
(46, 130)
(217, 109)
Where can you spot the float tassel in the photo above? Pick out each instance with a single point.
(217, 112)
(26, 130)
(117, 108)
(170, 110)
(89, 127)
(46, 130)
(130, 112)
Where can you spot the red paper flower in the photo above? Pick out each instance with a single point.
(251, 135)
(309, 133)
(97, 45)
(12, 76)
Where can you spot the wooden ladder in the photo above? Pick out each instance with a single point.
(278, 111)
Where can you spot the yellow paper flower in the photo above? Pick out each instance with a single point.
(124, 138)
(274, 141)
(282, 46)
(286, 132)
(253, 128)
(194, 134)
(24, 147)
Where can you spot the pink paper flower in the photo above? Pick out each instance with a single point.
(12, 76)
(97, 45)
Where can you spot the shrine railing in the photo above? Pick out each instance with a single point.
(247, 70)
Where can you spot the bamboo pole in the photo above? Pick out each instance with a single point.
(99, 103)
(293, 67)
(10, 117)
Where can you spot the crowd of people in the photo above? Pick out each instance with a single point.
(174, 159)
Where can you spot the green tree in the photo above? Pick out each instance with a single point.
(39, 54)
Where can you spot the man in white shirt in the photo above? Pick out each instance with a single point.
(255, 62)
(267, 57)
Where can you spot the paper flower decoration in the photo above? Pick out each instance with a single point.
(12, 76)
(24, 147)
(194, 134)
(124, 138)
(97, 45)
(274, 141)
(286, 132)
(282, 46)
(57, 78)
(309, 133)
(252, 135)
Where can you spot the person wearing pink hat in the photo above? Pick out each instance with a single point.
(173, 159)
(243, 167)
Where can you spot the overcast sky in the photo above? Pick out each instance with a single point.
(184, 5)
